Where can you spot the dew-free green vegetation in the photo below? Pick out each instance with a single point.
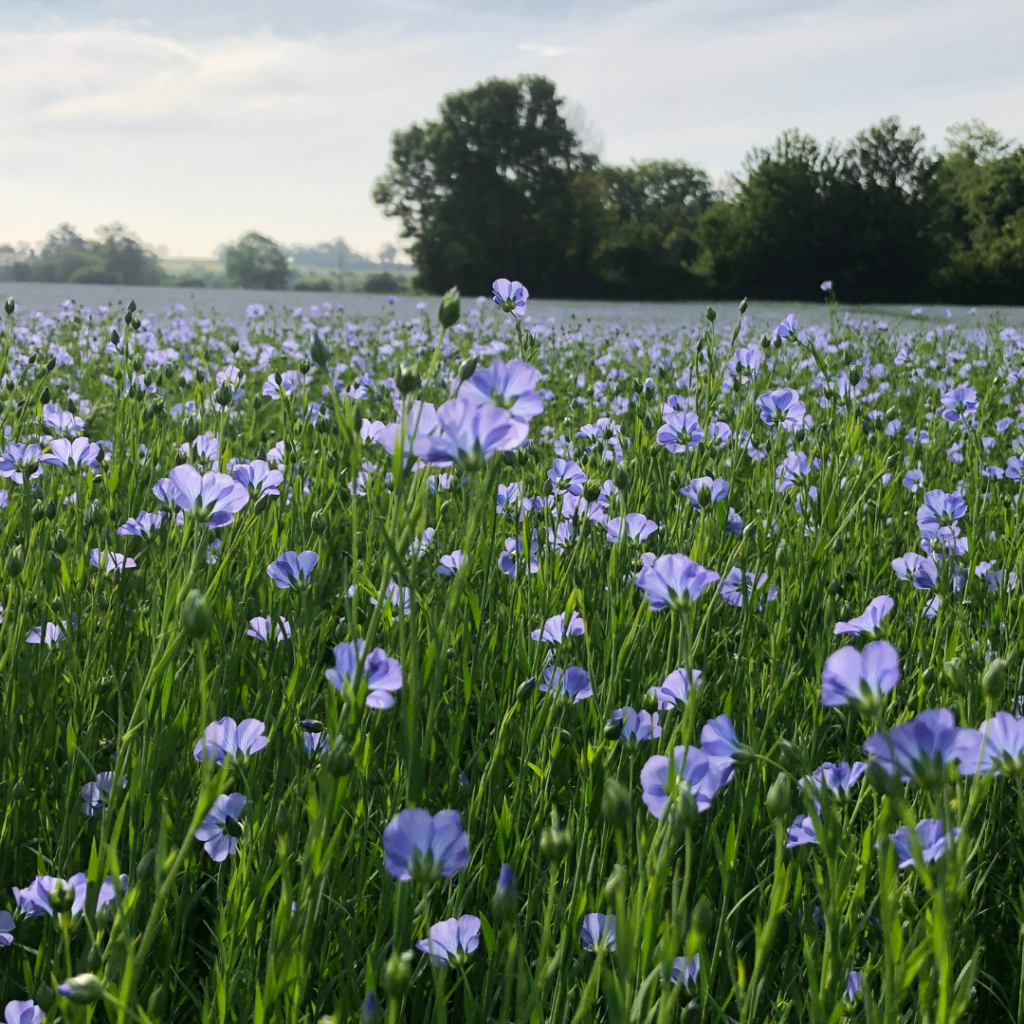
(124, 637)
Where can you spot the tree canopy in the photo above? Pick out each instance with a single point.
(500, 183)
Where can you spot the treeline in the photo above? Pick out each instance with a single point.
(254, 261)
(501, 183)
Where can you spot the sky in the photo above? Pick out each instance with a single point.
(192, 122)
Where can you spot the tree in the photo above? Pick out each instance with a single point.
(254, 261)
(652, 246)
(497, 185)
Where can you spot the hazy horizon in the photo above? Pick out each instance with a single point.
(191, 126)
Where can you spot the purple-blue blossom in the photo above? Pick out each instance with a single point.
(676, 688)
(383, 675)
(572, 683)
(220, 829)
(860, 677)
(227, 738)
(869, 622)
(932, 842)
(598, 932)
(423, 847)
(451, 941)
(673, 580)
(293, 569)
(922, 748)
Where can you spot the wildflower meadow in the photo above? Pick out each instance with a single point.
(480, 667)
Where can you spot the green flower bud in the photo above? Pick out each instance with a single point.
(9, 310)
(689, 813)
(591, 490)
(16, 561)
(397, 974)
(993, 679)
(711, 315)
(555, 841)
(45, 997)
(620, 476)
(131, 306)
(955, 672)
(467, 368)
(782, 556)
(615, 804)
(743, 306)
(702, 917)
(506, 899)
(318, 521)
(224, 394)
(319, 352)
(525, 690)
(156, 1007)
(790, 756)
(304, 365)
(408, 379)
(50, 510)
(780, 797)
(339, 760)
(196, 615)
(82, 988)
(449, 311)
(53, 561)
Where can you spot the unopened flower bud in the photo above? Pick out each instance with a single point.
(156, 1007)
(82, 988)
(780, 797)
(318, 521)
(689, 812)
(782, 556)
(790, 756)
(196, 615)
(555, 841)
(616, 884)
(743, 306)
(467, 368)
(702, 917)
(613, 729)
(304, 366)
(16, 561)
(615, 804)
(525, 691)
(397, 974)
(62, 898)
(370, 1013)
(506, 898)
(224, 394)
(9, 306)
(993, 679)
(879, 779)
(318, 351)
(620, 476)
(408, 379)
(710, 314)
(955, 672)
(45, 997)
(449, 311)
(339, 761)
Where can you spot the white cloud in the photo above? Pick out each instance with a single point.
(191, 135)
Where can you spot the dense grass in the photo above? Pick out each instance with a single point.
(303, 920)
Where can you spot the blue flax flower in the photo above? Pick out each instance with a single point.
(506, 386)
(686, 969)
(6, 928)
(801, 832)
(870, 622)
(421, 847)
(23, 1011)
(637, 527)
(782, 408)
(598, 932)
(215, 498)
(931, 837)
(940, 513)
(510, 296)
(293, 569)
(226, 738)
(676, 687)
(558, 627)
(470, 434)
(220, 830)
(637, 726)
(704, 491)
(383, 674)
(695, 771)
(451, 941)
(860, 677)
(996, 746)
(572, 683)
(924, 747)
(673, 580)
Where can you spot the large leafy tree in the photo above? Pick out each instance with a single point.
(497, 184)
(255, 261)
(651, 247)
(802, 212)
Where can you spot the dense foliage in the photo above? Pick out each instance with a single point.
(500, 178)
(114, 258)
(486, 669)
